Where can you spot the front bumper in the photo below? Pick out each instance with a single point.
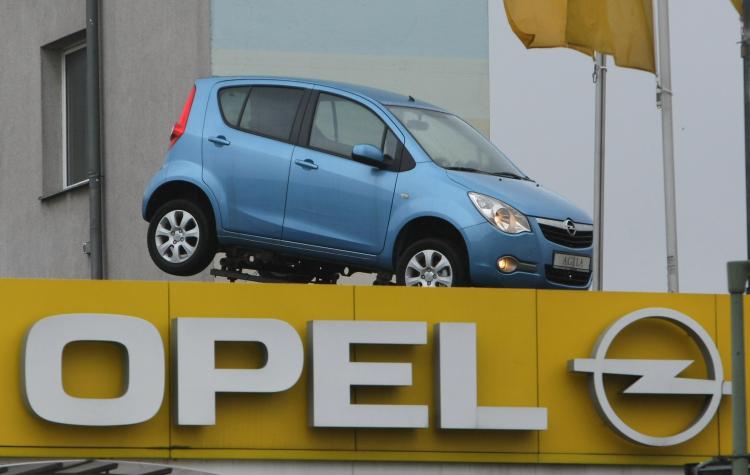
(486, 244)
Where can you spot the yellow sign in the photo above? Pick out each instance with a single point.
(525, 342)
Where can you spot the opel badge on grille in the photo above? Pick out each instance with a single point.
(570, 226)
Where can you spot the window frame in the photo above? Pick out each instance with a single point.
(64, 119)
(296, 123)
(392, 165)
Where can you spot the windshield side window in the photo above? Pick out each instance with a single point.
(390, 146)
(339, 124)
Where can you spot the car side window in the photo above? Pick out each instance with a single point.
(390, 146)
(339, 124)
(270, 111)
(231, 100)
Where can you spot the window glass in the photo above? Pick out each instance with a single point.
(390, 146)
(271, 111)
(76, 166)
(340, 124)
(325, 121)
(452, 143)
(231, 100)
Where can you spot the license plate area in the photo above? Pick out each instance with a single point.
(571, 262)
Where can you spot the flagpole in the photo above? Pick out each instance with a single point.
(664, 101)
(600, 79)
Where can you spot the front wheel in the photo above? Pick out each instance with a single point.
(431, 263)
(181, 239)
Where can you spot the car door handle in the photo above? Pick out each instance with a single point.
(219, 140)
(306, 164)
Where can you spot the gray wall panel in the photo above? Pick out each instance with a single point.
(37, 239)
(152, 52)
(435, 50)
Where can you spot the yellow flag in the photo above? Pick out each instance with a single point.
(621, 28)
(738, 5)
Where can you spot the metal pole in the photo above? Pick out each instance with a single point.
(600, 79)
(93, 151)
(746, 69)
(664, 99)
(737, 273)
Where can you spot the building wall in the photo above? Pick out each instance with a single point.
(435, 50)
(151, 52)
(39, 239)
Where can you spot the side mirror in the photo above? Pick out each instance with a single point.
(369, 155)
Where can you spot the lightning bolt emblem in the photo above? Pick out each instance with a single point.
(656, 376)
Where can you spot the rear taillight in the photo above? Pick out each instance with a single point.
(179, 126)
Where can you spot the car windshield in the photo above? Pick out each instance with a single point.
(453, 144)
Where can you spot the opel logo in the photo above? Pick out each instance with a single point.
(570, 226)
(656, 377)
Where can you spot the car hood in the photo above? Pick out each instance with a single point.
(527, 197)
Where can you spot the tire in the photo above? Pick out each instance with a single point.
(412, 268)
(192, 248)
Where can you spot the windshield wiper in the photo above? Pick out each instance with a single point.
(465, 169)
(499, 174)
(513, 176)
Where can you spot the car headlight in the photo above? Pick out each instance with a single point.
(503, 216)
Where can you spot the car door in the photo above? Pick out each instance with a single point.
(334, 201)
(247, 150)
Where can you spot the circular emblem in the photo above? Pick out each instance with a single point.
(570, 226)
(656, 376)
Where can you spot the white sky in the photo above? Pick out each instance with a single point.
(542, 116)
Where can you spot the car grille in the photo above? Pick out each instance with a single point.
(567, 277)
(556, 232)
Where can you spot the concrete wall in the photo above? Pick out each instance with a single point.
(435, 50)
(37, 238)
(151, 52)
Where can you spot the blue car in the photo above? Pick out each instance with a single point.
(304, 181)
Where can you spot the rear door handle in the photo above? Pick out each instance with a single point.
(219, 140)
(309, 164)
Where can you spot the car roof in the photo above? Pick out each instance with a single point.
(382, 96)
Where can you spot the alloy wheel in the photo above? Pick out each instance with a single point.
(428, 268)
(176, 236)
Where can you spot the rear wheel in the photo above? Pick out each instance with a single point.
(181, 238)
(431, 263)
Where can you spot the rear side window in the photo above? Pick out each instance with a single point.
(270, 111)
(340, 124)
(231, 100)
